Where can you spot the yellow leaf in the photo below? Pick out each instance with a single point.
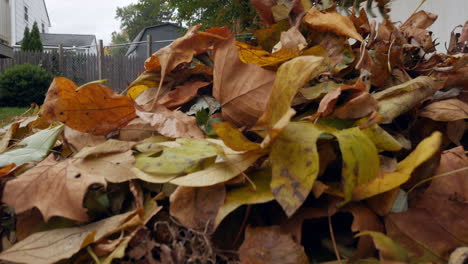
(136, 90)
(178, 160)
(360, 159)
(254, 55)
(382, 140)
(388, 181)
(247, 195)
(331, 22)
(295, 164)
(390, 250)
(233, 138)
(291, 76)
(399, 99)
(233, 165)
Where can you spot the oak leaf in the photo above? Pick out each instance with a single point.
(93, 109)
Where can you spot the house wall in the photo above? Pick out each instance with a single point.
(167, 32)
(5, 21)
(36, 13)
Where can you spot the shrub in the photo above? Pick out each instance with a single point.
(24, 84)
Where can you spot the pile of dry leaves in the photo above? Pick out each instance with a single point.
(324, 138)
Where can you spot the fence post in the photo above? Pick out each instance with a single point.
(149, 46)
(100, 59)
(60, 59)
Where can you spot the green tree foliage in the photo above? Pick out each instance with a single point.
(144, 13)
(24, 84)
(35, 42)
(238, 14)
(25, 44)
(119, 38)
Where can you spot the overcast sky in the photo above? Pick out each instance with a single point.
(85, 17)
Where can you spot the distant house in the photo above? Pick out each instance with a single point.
(84, 44)
(162, 35)
(16, 15)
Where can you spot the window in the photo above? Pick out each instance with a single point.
(43, 27)
(26, 16)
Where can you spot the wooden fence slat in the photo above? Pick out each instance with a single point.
(81, 68)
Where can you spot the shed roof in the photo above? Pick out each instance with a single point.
(66, 40)
(142, 34)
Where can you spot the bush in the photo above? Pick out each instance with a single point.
(24, 84)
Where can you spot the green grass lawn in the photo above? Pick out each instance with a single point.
(7, 113)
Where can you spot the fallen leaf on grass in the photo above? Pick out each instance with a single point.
(240, 88)
(51, 246)
(400, 99)
(246, 194)
(264, 245)
(295, 164)
(93, 109)
(197, 208)
(36, 147)
(331, 22)
(172, 124)
(446, 110)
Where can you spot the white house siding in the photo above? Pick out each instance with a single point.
(36, 13)
(451, 13)
(5, 21)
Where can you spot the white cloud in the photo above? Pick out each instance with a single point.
(85, 17)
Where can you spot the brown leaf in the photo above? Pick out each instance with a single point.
(422, 235)
(69, 179)
(137, 130)
(51, 246)
(456, 130)
(174, 124)
(446, 110)
(359, 102)
(263, 8)
(197, 208)
(79, 140)
(94, 109)
(268, 245)
(331, 22)
(455, 185)
(240, 88)
(183, 49)
(181, 94)
(421, 19)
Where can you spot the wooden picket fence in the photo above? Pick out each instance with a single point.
(82, 68)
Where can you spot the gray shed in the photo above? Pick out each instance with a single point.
(162, 35)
